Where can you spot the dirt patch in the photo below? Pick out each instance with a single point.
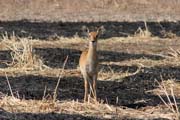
(90, 10)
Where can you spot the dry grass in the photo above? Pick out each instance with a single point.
(67, 10)
(140, 33)
(168, 34)
(103, 111)
(22, 54)
(137, 62)
(174, 53)
(129, 66)
(168, 91)
(59, 79)
(111, 75)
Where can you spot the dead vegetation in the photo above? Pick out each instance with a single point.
(90, 10)
(89, 110)
(140, 33)
(124, 72)
(138, 78)
(171, 103)
(139, 61)
(22, 54)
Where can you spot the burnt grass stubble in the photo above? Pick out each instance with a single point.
(130, 90)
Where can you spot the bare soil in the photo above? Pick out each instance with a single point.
(90, 10)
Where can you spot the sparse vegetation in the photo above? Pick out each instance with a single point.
(139, 70)
(140, 33)
(124, 72)
(168, 91)
(90, 10)
(22, 54)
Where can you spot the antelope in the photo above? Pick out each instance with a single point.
(88, 63)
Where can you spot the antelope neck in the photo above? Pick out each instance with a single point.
(92, 50)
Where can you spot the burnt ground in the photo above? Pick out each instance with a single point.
(122, 57)
(46, 30)
(130, 65)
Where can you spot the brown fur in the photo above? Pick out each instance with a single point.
(89, 66)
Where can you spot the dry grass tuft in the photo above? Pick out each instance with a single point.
(171, 103)
(143, 33)
(22, 54)
(168, 34)
(174, 53)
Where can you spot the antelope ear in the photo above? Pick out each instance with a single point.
(85, 31)
(100, 30)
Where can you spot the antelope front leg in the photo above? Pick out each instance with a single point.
(95, 86)
(86, 90)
